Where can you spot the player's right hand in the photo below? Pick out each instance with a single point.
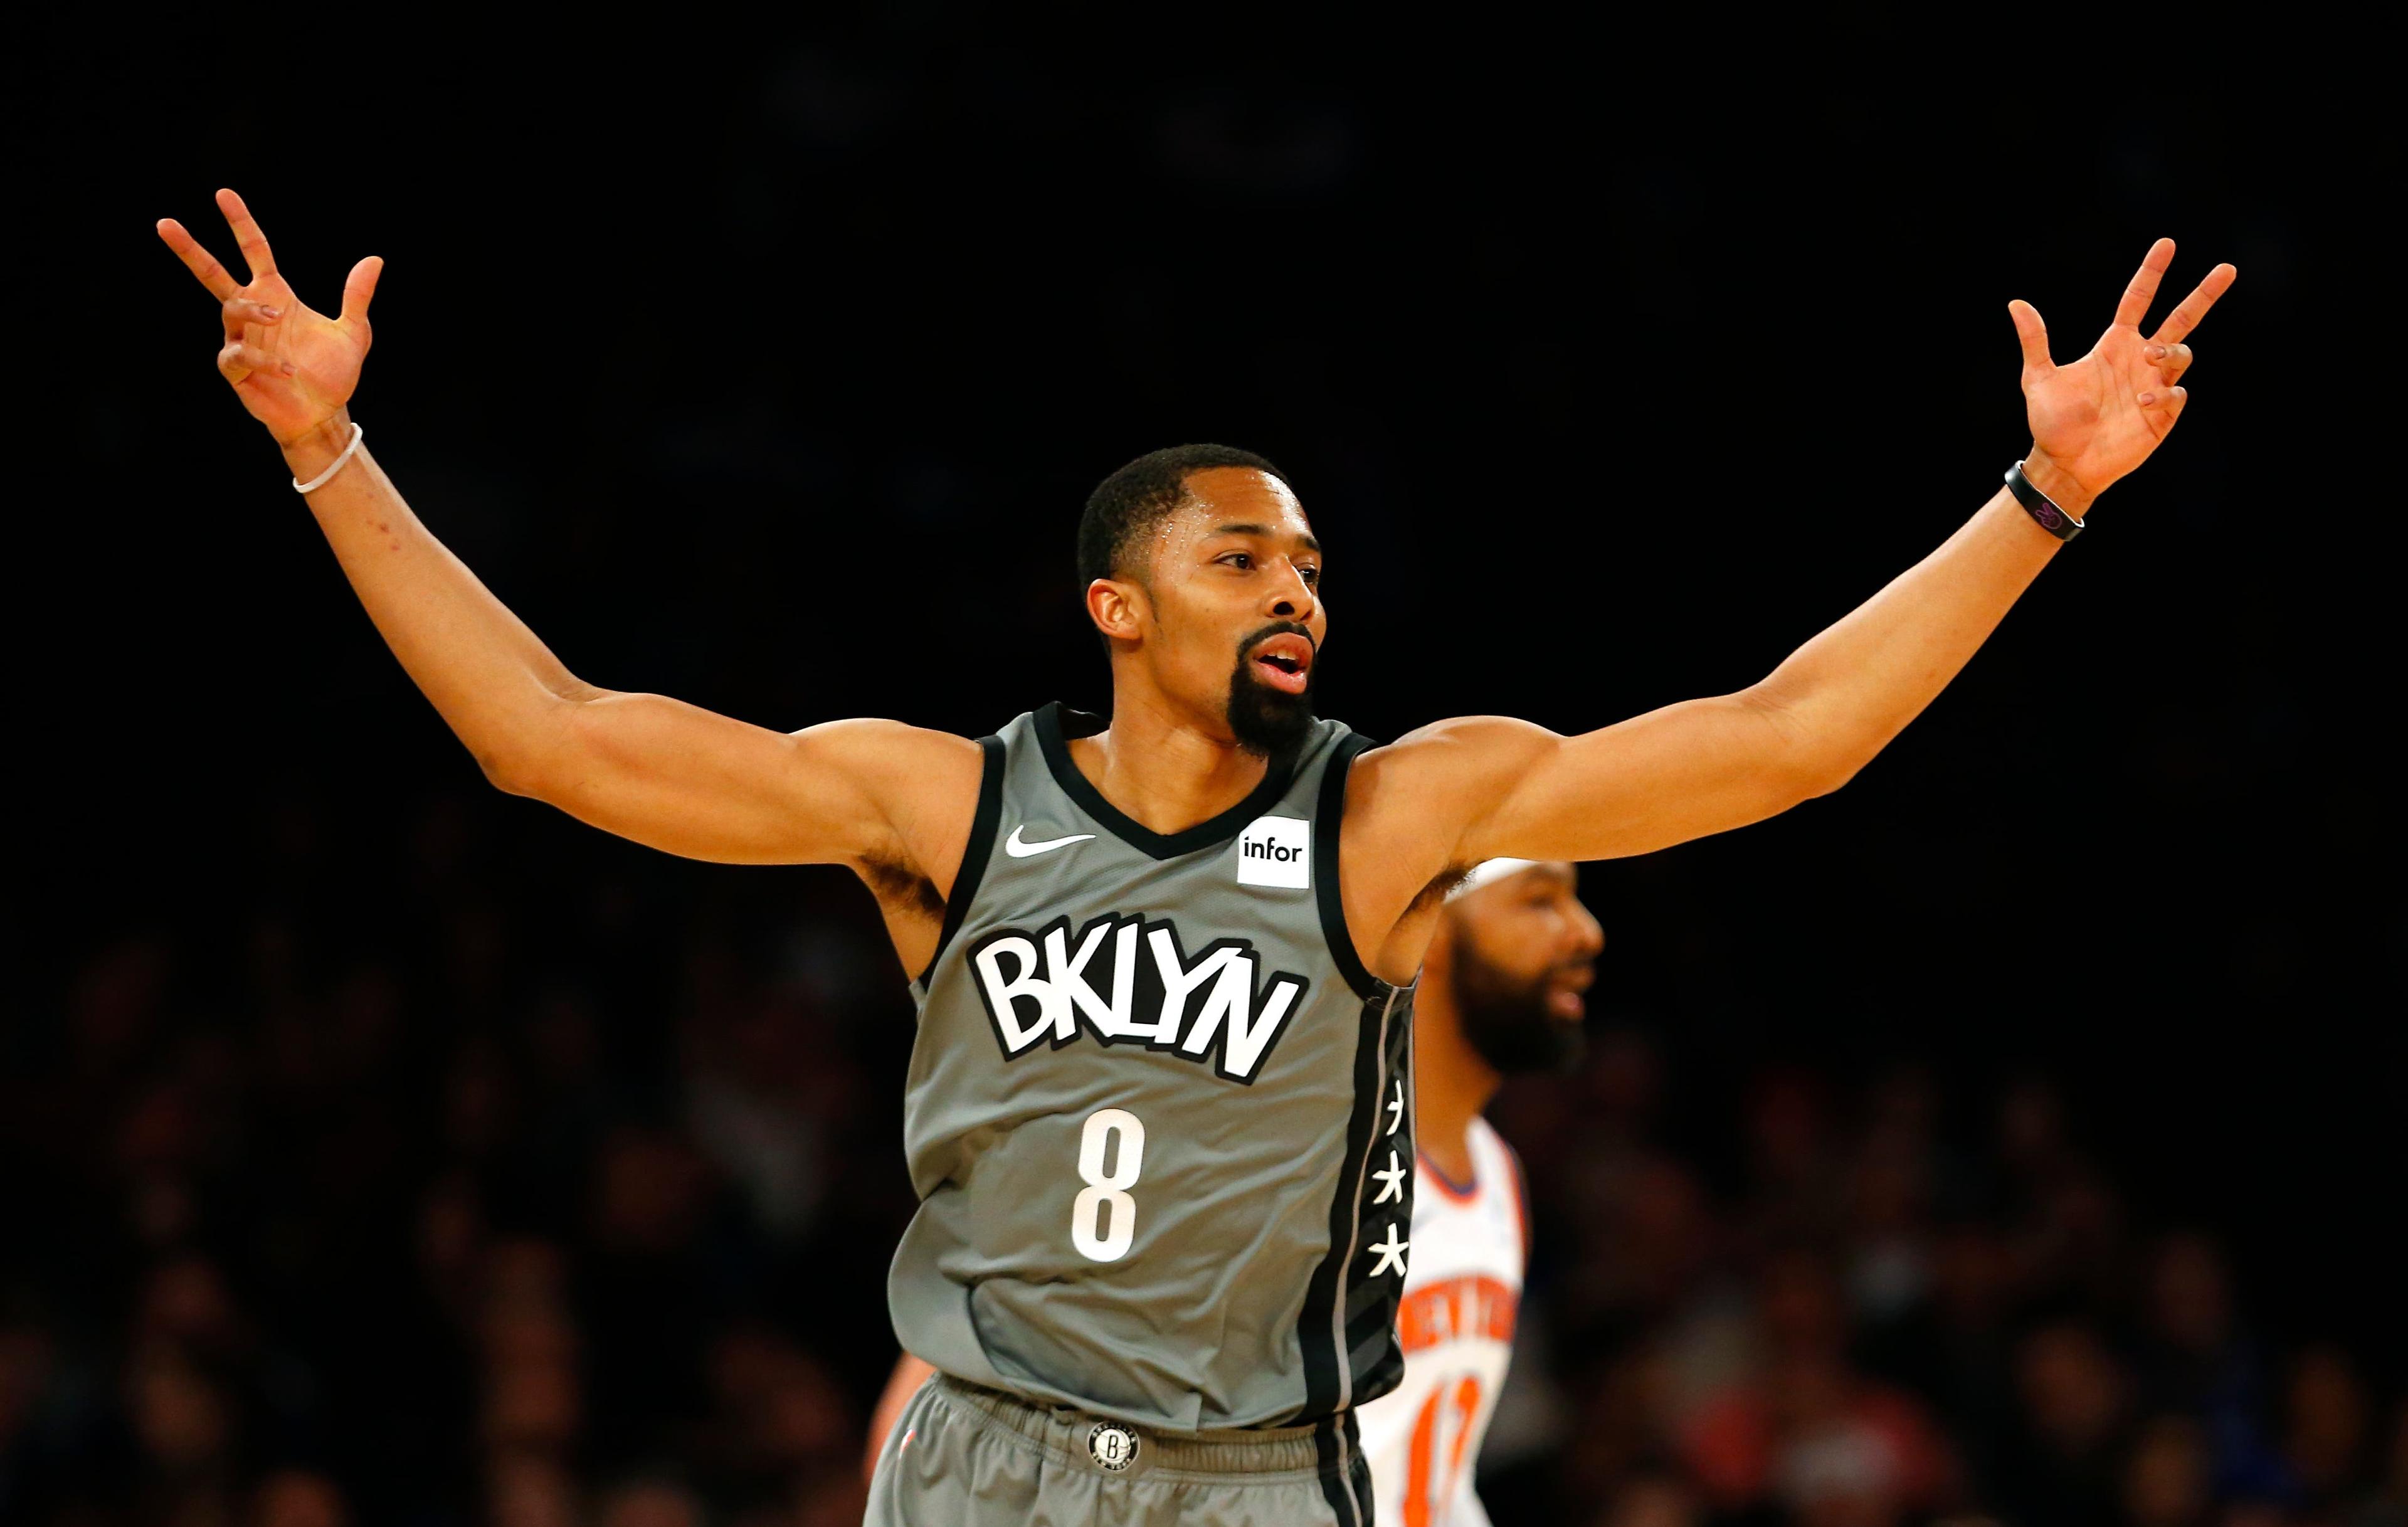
(293, 367)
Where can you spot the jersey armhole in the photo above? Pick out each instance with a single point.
(1329, 817)
(975, 853)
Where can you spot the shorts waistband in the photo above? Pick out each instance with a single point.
(1323, 1446)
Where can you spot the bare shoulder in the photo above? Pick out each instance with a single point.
(874, 744)
(1409, 806)
(1467, 759)
(925, 783)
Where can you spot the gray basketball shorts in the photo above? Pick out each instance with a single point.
(965, 1456)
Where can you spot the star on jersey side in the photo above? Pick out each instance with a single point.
(1396, 1108)
(1392, 1181)
(1392, 1253)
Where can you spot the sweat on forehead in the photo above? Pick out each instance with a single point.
(1132, 503)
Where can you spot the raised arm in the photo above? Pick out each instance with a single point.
(876, 794)
(1508, 788)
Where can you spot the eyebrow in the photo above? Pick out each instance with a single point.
(1249, 528)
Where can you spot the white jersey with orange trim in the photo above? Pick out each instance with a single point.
(1463, 1288)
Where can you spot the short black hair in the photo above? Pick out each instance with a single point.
(1130, 502)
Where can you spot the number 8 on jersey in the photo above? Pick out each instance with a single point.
(1105, 1188)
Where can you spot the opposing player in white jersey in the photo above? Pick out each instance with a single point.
(1500, 992)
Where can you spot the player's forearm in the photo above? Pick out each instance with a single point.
(499, 687)
(1844, 695)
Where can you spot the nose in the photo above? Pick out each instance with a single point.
(1290, 597)
(1588, 935)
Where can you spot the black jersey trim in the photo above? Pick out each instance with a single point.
(1327, 817)
(1338, 1449)
(1318, 1339)
(1056, 723)
(975, 853)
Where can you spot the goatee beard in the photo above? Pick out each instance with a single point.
(1267, 721)
(1506, 1020)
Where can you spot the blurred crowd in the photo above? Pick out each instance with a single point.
(506, 1185)
(1866, 1324)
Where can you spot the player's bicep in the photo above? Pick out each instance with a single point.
(1683, 772)
(691, 782)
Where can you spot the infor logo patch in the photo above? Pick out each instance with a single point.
(1276, 851)
(1112, 1446)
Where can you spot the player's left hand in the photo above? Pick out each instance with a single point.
(2095, 419)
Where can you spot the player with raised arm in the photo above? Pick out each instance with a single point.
(1164, 963)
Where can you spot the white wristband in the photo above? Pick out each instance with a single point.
(319, 481)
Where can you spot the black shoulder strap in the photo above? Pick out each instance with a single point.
(1327, 817)
(976, 851)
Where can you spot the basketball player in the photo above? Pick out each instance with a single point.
(1500, 992)
(1162, 961)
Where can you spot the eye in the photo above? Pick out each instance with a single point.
(1311, 574)
(1242, 561)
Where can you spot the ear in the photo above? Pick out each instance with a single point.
(1117, 608)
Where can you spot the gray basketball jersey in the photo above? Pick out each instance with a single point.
(1159, 1116)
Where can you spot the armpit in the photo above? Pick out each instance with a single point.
(901, 887)
(1435, 892)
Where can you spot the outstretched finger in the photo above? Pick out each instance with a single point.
(255, 252)
(2193, 307)
(359, 287)
(2144, 290)
(238, 360)
(200, 262)
(241, 312)
(2032, 334)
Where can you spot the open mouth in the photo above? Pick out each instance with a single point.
(1283, 662)
(1564, 992)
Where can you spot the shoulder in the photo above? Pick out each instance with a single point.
(1468, 757)
(1476, 741)
(876, 740)
(897, 762)
(1504, 1167)
(928, 784)
(1495, 1158)
(1414, 797)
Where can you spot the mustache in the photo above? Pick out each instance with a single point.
(1280, 627)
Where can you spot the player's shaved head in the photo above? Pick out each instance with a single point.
(1126, 506)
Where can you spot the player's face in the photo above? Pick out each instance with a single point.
(1234, 594)
(1524, 952)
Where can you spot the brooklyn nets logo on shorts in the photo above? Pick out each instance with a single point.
(1112, 1447)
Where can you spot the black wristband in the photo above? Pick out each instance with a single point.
(2052, 519)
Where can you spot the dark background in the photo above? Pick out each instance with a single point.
(769, 369)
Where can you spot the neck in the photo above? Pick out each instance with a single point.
(1452, 1084)
(1162, 766)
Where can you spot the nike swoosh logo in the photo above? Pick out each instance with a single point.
(1019, 850)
